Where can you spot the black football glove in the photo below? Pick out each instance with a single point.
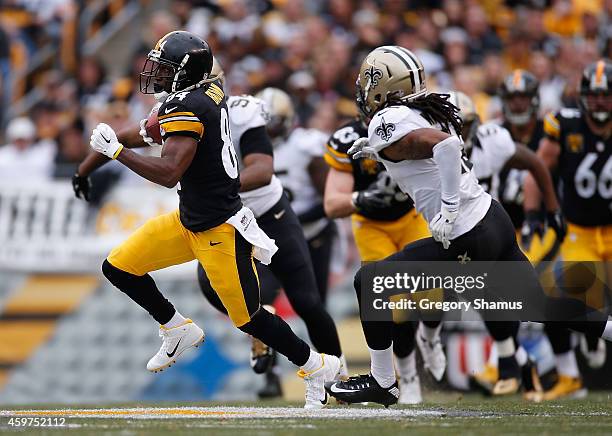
(556, 221)
(81, 186)
(532, 225)
(372, 199)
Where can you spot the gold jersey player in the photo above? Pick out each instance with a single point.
(211, 224)
(578, 145)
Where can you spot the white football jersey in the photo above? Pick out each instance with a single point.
(291, 161)
(247, 112)
(420, 179)
(492, 149)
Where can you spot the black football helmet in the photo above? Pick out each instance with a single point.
(520, 98)
(179, 61)
(595, 86)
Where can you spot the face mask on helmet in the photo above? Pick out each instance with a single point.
(598, 106)
(278, 127)
(520, 108)
(158, 75)
(363, 110)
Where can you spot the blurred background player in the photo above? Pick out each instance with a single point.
(262, 192)
(384, 220)
(492, 151)
(299, 164)
(578, 145)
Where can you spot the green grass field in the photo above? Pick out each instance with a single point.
(443, 413)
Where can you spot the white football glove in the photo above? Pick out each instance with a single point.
(143, 123)
(357, 152)
(441, 226)
(143, 133)
(104, 140)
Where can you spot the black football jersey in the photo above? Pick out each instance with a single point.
(365, 171)
(208, 190)
(510, 191)
(585, 168)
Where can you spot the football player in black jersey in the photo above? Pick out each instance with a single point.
(578, 145)
(211, 224)
(384, 221)
(519, 94)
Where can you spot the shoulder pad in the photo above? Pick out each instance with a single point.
(392, 124)
(490, 129)
(568, 112)
(497, 143)
(342, 139)
(247, 111)
(309, 141)
(552, 126)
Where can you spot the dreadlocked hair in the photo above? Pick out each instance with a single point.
(436, 109)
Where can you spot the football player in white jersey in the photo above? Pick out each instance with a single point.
(415, 135)
(262, 192)
(299, 164)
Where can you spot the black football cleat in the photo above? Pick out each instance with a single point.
(363, 389)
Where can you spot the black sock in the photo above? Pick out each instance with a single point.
(508, 368)
(321, 330)
(403, 339)
(276, 333)
(592, 341)
(142, 290)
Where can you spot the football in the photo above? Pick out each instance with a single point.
(152, 127)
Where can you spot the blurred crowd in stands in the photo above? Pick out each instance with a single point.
(310, 48)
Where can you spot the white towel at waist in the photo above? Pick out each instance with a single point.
(264, 247)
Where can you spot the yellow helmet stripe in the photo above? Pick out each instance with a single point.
(599, 73)
(162, 39)
(516, 79)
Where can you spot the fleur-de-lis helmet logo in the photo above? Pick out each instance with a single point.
(373, 75)
(384, 130)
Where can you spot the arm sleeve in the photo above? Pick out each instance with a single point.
(175, 119)
(255, 140)
(447, 155)
(314, 213)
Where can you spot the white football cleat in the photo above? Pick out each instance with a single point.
(432, 353)
(316, 397)
(175, 341)
(410, 391)
(595, 358)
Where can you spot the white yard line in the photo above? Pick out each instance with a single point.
(227, 412)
